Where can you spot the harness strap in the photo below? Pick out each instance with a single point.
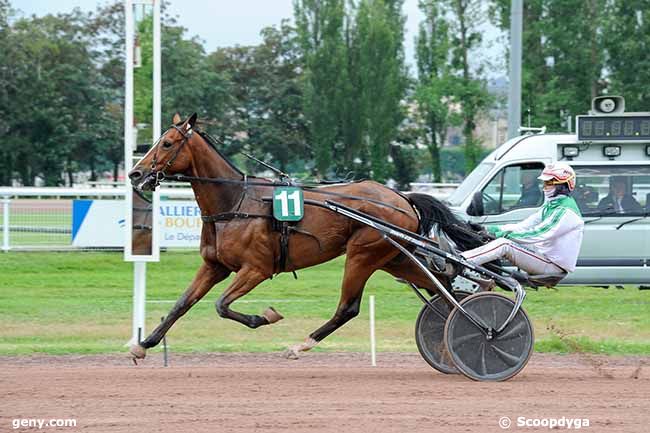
(284, 246)
(227, 216)
(280, 226)
(315, 190)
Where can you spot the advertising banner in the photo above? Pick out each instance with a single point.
(101, 223)
(180, 224)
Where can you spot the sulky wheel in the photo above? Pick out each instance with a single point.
(481, 358)
(430, 332)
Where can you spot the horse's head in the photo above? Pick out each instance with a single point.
(169, 155)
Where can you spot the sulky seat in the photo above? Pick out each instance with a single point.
(546, 280)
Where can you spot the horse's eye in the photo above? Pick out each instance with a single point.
(167, 144)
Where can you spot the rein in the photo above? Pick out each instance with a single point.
(157, 176)
(246, 183)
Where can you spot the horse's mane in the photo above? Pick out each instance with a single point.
(433, 211)
(213, 144)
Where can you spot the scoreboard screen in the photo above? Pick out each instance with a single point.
(614, 128)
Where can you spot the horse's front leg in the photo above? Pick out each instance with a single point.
(206, 277)
(246, 280)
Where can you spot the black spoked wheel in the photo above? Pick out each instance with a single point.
(430, 333)
(481, 358)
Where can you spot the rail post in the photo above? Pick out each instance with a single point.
(373, 344)
(139, 299)
(5, 223)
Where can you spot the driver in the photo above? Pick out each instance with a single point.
(546, 242)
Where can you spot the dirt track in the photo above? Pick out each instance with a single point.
(318, 393)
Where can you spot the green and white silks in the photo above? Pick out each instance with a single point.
(555, 230)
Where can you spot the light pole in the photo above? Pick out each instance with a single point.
(514, 92)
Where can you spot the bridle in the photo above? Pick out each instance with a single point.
(157, 176)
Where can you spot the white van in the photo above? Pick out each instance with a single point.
(610, 151)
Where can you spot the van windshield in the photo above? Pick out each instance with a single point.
(469, 184)
(615, 191)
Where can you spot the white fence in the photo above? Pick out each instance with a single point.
(438, 190)
(41, 218)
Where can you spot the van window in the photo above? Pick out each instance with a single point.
(514, 187)
(616, 191)
(469, 184)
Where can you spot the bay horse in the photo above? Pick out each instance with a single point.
(239, 235)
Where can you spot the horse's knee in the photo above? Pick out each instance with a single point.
(221, 306)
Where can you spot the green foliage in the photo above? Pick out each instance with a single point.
(379, 27)
(56, 93)
(564, 56)
(435, 80)
(450, 91)
(264, 82)
(627, 40)
(330, 96)
(354, 81)
(319, 25)
(470, 88)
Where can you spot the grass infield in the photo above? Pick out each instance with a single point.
(75, 302)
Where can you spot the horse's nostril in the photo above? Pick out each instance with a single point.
(135, 175)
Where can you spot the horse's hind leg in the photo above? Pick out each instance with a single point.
(245, 281)
(206, 277)
(362, 261)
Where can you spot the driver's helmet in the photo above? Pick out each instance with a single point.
(559, 173)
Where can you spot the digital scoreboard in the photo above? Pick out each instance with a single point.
(614, 128)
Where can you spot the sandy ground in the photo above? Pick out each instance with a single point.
(321, 392)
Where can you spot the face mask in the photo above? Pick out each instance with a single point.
(549, 193)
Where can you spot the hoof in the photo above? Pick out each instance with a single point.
(271, 315)
(291, 353)
(138, 352)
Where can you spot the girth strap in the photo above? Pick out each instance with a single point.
(280, 226)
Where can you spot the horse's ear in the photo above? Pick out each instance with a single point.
(192, 120)
(176, 119)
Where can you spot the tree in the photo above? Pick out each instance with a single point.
(563, 56)
(382, 79)
(265, 115)
(6, 154)
(319, 25)
(107, 27)
(470, 90)
(627, 26)
(434, 80)
(354, 158)
(52, 75)
(280, 124)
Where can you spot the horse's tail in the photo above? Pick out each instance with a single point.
(425, 205)
(434, 211)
